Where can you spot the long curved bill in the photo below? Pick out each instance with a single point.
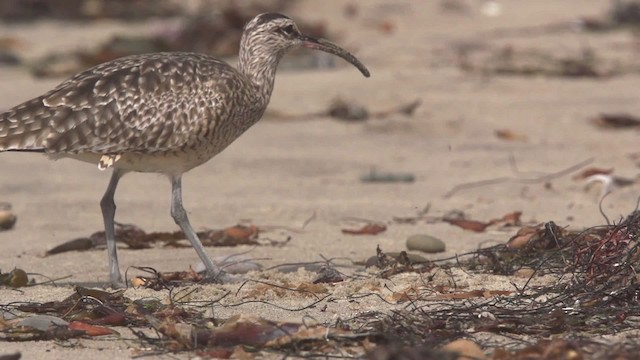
(331, 48)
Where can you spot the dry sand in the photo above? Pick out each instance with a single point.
(282, 172)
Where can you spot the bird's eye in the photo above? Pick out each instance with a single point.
(288, 30)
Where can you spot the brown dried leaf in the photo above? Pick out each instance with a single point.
(368, 229)
(592, 171)
(241, 233)
(522, 237)
(81, 244)
(90, 330)
(510, 135)
(471, 225)
(510, 219)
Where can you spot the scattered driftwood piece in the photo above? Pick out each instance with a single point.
(375, 176)
(616, 121)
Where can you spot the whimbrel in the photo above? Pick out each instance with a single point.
(162, 113)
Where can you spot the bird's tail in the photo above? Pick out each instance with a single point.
(24, 127)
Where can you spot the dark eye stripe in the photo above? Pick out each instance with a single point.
(287, 30)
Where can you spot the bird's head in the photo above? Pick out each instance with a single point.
(273, 34)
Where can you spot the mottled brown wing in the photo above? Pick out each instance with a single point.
(146, 103)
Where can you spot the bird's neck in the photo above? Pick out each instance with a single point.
(260, 69)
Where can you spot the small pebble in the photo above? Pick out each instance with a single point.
(7, 219)
(18, 278)
(425, 243)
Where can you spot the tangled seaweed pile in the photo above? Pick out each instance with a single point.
(594, 295)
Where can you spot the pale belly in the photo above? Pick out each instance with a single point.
(171, 163)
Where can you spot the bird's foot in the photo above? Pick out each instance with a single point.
(117, 282)
(220, 277)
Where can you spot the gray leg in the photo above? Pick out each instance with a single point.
(180, 216)
(108, 213)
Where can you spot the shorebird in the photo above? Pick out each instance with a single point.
(160, 113)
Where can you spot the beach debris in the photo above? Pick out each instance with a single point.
(510, 135)
(90, 330)
(555, 348)
(367, 229)
(616, 121)
(350, 111)
(347, 110)
(590, 171)
(518, 178)
(328, 274)
(457, 218)
(393, 256)
(525, 272)
(432, 306)
(524, 236)
(375, 176)
(80, 244)
(425, 243)
(465, 350)
(397, 263)
(15, 278)
(608, 183)
(605, 178)
(163, 280)
(509, 60)
(463, 295)
(7, 220)
(421, 215)
(625, 13)
(42, 322)
(215, 31)
(249, 330)
(18, 10)
(136, 238)
(13, 356)
(8, 47)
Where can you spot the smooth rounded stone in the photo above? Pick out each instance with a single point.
(425, 243)
(42, 322)
(7, 219)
